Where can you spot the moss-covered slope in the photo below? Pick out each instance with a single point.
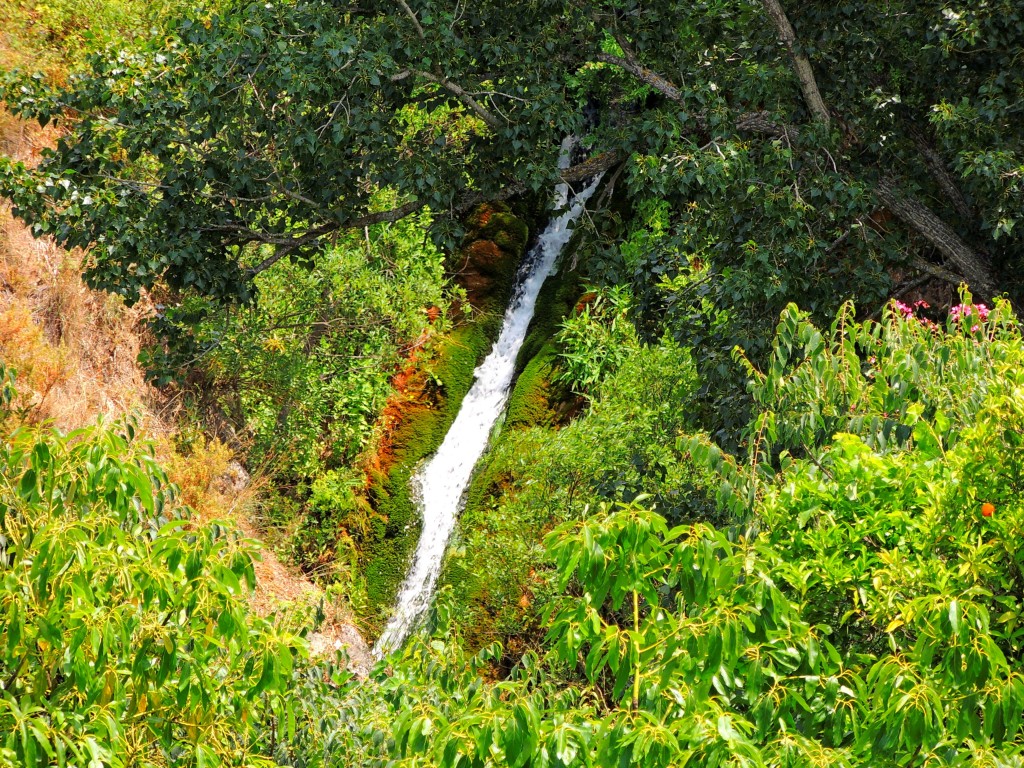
(429, 400)
(536, 401)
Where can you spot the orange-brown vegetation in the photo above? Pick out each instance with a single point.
(585, 301)
(74, 350)
(481, 216)
(411, 394)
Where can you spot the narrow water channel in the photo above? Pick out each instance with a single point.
(441, 483)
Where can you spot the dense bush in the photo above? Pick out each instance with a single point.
(623, 446)
(306, 371)
(126, 634)
(862, 608)
(596, 339)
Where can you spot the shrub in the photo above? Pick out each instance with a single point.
(127, 639)
(596, 339)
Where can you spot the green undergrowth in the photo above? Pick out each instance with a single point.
(623, 447)
(545, 467)
(536, 399)
(57, 35)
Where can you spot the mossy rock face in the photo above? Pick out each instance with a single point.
(487, 607)
(508, 231)
(530, 402)
(487, 263)
(449, 373)
(486, 256)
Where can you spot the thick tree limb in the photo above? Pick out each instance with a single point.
(936, 166)
(415, 21)
(934, 270)
(918, 217)
(644, 75)
(286, 244)
(802, 65)
(762, 123)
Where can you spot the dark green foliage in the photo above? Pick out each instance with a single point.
(277, 123)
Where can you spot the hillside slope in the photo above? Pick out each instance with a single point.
(75, 351)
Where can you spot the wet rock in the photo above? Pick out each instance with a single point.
(233, 480)
(346, 638)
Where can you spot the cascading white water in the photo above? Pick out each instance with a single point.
(441, 482)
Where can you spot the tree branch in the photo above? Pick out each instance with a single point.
(644, 75)
(937, 168)
(286, 244)
(763, 124)
(934, 270)
(492, 120)
(415, 21)
(918, 217)
(749, 122)
(802, 65)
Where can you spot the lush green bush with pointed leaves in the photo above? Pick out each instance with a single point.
(127, 640)
(863, 609)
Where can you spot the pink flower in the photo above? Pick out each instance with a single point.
(973, 311)
(904, 310)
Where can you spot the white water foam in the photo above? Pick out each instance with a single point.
(442, 481)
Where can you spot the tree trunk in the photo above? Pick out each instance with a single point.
(802, 65)
(937, 168)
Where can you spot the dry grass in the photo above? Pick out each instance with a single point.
(74, 349)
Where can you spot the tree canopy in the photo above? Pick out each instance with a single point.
(275, 122)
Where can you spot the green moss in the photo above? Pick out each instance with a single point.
(386, 556)
(508, 231)
(530, 401)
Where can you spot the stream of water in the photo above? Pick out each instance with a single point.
(441, 482)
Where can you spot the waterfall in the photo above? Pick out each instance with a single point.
(441, 482)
